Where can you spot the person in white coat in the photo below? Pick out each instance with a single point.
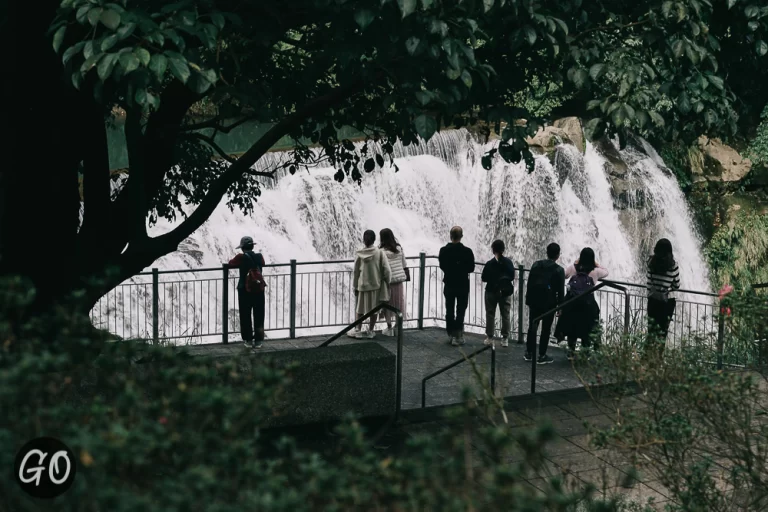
(371, 277)
(399, 275)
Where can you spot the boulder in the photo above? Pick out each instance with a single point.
(721, 162)
(574, 130)
(546, 139)
(615, 166)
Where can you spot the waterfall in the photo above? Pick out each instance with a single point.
(595, 200)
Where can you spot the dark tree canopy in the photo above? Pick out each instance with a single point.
(393, 69)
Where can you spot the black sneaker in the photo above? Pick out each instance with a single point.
(545, 359)
(528, 357)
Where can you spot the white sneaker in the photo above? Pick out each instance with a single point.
(353, 334)
(369, 335)
(389, 331)
(455, 341)
(461, 339)
(505, 341)
(488, 341)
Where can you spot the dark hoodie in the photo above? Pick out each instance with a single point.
(456, 262)
(555, 275)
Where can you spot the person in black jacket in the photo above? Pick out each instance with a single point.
(546, 285)
(251, 305)
(456, 262)
(499, 276)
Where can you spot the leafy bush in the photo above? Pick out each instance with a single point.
(700, 431)
(155, 429)
(738, 252)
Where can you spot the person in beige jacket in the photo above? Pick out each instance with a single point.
(371, 278)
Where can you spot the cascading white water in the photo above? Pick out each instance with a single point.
(310, 217)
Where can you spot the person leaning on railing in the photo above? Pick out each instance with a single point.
(252, 304)
(663, 277)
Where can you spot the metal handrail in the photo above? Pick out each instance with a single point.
(491, 347)
(399, 367)
(562, 305)
(758, 286)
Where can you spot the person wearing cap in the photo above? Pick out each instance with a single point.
(251, 304)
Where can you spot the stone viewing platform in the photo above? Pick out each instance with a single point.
(425, 351)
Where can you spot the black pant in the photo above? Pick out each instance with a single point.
(659, 316)
(456, 301)
(546, 329)
(251, 314)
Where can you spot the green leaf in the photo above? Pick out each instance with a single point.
(89, 63)
(466, 78)
(717, 81)
(88, 50)
(426, 4)
(126, 30)
(596, 71)
(678, 48)
(487, 162)
(364, 17)
(618, 117)
(77, 80)
(82, 13)
(129, 62)
(657, 119)
(58, 38)
(406, 6)
(411, 44)
(425, 125)
(94, 15)
(731, 3)
(110, 19)
(452, 73)
(106, 65)
(562, 25)
(593, 104)
(109, 42)
(179, 67)
(594, 129)
(380, 160)
(218, 20)
(141, 96)
(530, 34)
(581, 78)
(752, 11)
(424, 97)
(158, 64)
(369, 165)
(761, 47)
(642, 118)
(624, 89)
(71, 51)
(487, 5)
(143, 55)
(683, 103)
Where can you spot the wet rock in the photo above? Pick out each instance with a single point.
(615, 165)
(721, 162)
(574, 130)
(546, 140)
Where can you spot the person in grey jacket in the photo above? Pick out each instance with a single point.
(371, 277)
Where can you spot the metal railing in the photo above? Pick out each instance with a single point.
(399, 365)
(491, 347)
(171, 306)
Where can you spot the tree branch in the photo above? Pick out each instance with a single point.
(214, 123)
(96, 183)
(170, 241)
(209, 140)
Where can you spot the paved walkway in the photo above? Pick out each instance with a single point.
(427, 351)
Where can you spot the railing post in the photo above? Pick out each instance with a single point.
(399, 371)
(225, 304)
(292, 334)
(155, 306)
(493, 369)
(422, 280)
(720, 339)
(626, 313)
(520, 303)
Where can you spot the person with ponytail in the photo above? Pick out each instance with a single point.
(663, 278)
(399, 274)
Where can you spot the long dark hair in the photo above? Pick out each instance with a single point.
(586, 261)
(662, 259)
(388, 240)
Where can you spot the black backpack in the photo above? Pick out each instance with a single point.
(505, 286)
(539, 292)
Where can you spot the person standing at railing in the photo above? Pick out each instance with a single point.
(251, 304)
(663, 277)
(371, 278)
(499, 276)
(456, 262)
(546, 285)
(399, 275)
(580, 319)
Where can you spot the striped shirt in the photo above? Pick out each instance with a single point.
(660, 284)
